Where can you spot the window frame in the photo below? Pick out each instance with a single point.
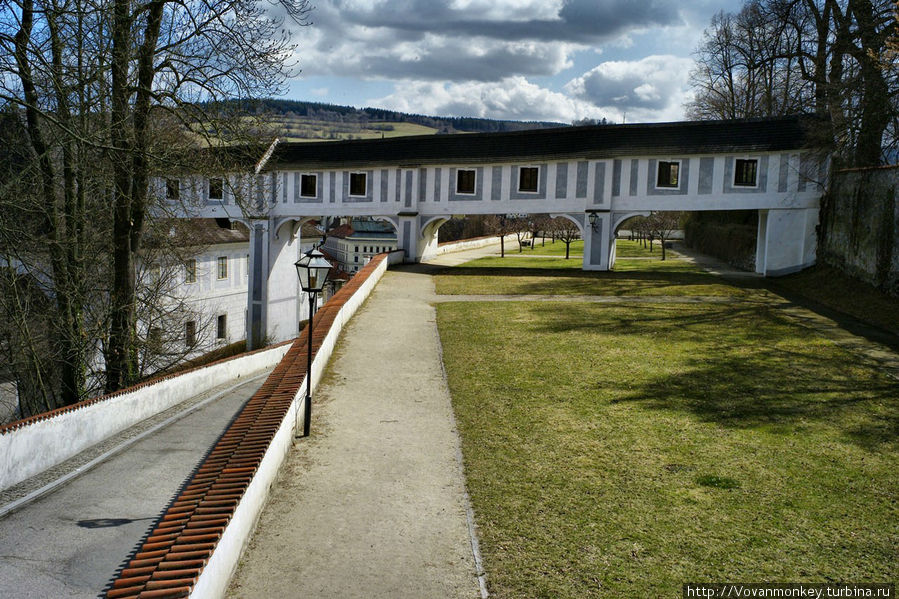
(314, 178)
(190, 271)
(221, 189)
(221, 267)
(221, 326)
(173, 190)
(364, 185)
(190, 333)
(521, 170)
(669, 186)
(755, 184)
(474, 181)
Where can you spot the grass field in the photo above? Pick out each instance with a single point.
(620, 451)
(623, 249)
(556, 276)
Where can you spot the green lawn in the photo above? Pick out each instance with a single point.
(534, 275)
(624, 249)
(620, 451)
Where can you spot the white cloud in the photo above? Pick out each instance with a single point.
(512, 98)
(654, 88)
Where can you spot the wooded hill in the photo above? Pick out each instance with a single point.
(298, 120)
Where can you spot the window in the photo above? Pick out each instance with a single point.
(154, 339)
(223, 267)
(172, 189)
(465, 180)
(216, 189)
(190, 271)
(357, 184)
(746, 172)
(190, 333)
(668, 174)
(309, 186)
(355, 258)
(356, 248)
(221, 326)
(527, 178)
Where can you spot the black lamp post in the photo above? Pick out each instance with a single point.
(313, 271)
(594, 220)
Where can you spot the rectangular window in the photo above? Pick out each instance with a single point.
(223, 267)
(172, 189)
(527, 178)
(357, 184)
(668, 174)
(154, 339)
(465, 180)
(221, 326)
(309, 186)
(190, 333)
(746, 172)
(216, 189)
(190, 271)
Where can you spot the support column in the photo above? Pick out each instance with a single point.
(408, 235)
(257, 283)
(599, 242)
(787, 241)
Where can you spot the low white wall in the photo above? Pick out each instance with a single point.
(216, 575)
(33, 448)
(470, 244)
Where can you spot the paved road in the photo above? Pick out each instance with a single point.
(70, 542)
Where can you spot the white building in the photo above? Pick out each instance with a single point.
(354, 243)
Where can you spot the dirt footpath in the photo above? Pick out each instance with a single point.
(374, 503)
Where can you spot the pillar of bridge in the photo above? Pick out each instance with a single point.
(599, 241)
(408, 236)
(257, 281)
(786, 241)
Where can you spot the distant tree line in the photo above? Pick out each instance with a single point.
(321, 111)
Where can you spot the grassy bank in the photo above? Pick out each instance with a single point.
(620, 451)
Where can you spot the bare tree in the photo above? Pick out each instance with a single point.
(98, 89)
(662, 225)
(565, 231)
(829, 57)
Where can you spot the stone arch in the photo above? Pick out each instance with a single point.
(576, 219)
(430, 226)
(296, 223)
(618, 218)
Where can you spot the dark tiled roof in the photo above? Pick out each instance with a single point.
(190, 232)
(601, 141)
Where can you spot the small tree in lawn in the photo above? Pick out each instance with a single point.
(566, 232)
(662, 225)
(502, 225)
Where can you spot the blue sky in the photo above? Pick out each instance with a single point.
(556, 60)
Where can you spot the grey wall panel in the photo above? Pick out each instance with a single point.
(581, 187)
(599, 183)
(616, 178)
(527, 195)
(635, 168)
(438, 176)
(562, 180)
(478, 186)
(706, 175)
(422, 184)
(333, 186)
(784, 171)
(384, 182)
(652, 178)
(497, 184)
(408, 194)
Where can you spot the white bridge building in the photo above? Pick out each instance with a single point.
(614, 171)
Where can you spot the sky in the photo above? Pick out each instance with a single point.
(548, 60)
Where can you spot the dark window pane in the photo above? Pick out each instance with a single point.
(172, 189)
(357, 184)
(465, 181)
(668, 174)
(745, 173)
(216, 189)
(308, 186)
(527, 179)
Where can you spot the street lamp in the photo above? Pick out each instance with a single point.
(593, 217)
(312, 269)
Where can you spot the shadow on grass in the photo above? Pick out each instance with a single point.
(742, 367)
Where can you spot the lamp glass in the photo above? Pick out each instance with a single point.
(313, 269)
(593, 218)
